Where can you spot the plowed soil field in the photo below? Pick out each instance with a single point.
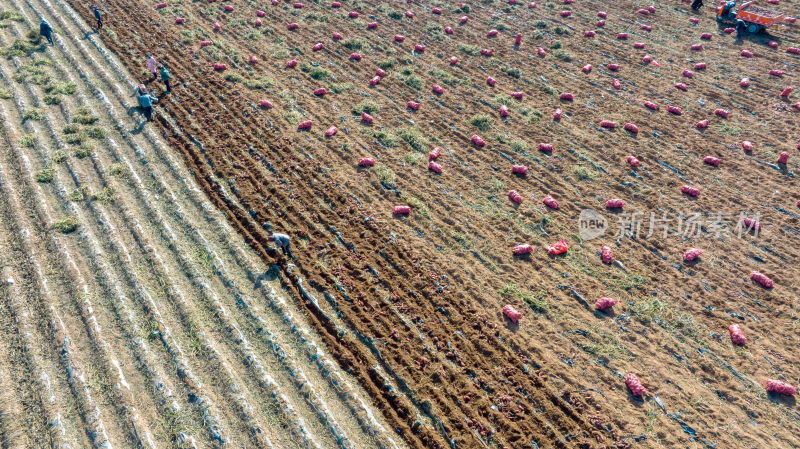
(411, 304)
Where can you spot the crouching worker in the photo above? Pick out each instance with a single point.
(141, 89)
(282, 240)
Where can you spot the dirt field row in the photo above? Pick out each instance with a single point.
(132, 314)
(411, 306)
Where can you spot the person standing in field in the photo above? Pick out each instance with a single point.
(165, 78)
(46, 30)
(151, 64)
(282, 240)
(97, 16)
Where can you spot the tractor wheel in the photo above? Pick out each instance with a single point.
(753, 28)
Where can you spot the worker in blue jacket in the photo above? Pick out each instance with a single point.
(97, 16)
(46, 30)
(146, 103)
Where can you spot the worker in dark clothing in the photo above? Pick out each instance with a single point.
(165, 77)
(740, 27)
(726, 8)
(46, 30)
(697, 4)
(97, 16)
(146, 103)
(282, 240)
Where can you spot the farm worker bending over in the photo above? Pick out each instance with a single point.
(740, 27)
(282, 240)
(165, 77)
(97, 16)
(151, 65)
(46, 30)
(146, 103)
(141, 89)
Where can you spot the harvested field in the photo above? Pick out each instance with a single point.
(410, 305)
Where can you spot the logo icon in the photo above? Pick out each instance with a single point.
(591, 224)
